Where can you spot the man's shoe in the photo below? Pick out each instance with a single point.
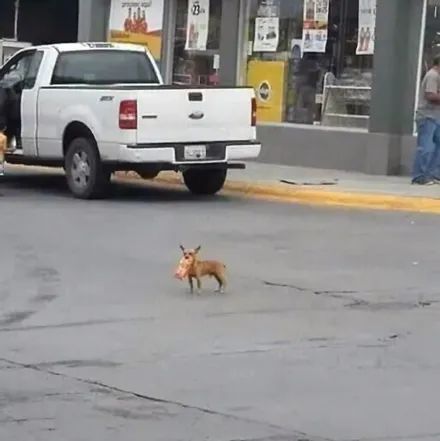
(424, 182)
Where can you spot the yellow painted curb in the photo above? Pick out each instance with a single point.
(302, 195)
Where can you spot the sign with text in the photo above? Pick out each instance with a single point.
(138, 22)
(197, 26)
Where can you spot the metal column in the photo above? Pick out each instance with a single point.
(396, 58)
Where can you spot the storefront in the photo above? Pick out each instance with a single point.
(39, 21)
(29, 22)
(336, 80)
(320, 64)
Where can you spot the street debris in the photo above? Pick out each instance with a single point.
(317, 184)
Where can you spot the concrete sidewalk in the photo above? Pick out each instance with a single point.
(333, 180)
(328, 187)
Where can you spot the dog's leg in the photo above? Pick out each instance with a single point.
(191, 285)
(220, 282)
(199, 284)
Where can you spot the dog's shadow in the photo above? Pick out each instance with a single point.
(206, 293)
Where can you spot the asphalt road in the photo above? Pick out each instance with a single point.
(330, 328)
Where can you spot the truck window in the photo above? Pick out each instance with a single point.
(104, 67)
(13, 74)
(32, 72)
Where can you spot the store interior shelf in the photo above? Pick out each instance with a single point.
(345, 105)
(344, 115)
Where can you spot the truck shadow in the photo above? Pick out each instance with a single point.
(54, 185)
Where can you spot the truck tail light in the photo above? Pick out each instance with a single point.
(128, 114)
(254, 112)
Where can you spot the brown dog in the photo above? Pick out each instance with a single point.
(196, 269)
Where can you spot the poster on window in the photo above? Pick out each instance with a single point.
(138, 22)
(267, 34)
(315, 27)
(268, 8)
(197, 26)
(367, 27)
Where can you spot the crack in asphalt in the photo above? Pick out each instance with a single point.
(337, 294)
(286, 285)
(285, 433)
(23, 420)
(75, 324)
(272, 438)
(415, 437)
(356, 302)
(331, 292)
(15, 317)
(251, 312)
(387, 306)
(78, 363)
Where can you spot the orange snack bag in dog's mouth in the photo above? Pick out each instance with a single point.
(182, 269)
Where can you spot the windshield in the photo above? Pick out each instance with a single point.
(104, 67)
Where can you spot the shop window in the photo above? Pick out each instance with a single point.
(7, 17)
(48, 21)
(311, 61)
(197, 42)
(431, 42)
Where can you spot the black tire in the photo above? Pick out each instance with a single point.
(205, 181)
(147, 172)
(148, 176)
(86, 176)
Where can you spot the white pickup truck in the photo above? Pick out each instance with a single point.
(97, 108)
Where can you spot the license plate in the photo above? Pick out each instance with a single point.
(195, 152)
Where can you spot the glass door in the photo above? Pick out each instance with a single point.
(197, 42)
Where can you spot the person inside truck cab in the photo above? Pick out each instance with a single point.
(17, 74)
(11, 85)
(3, 110)
(3, 126)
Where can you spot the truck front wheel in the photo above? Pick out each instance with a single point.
(86, 176)
(204, 181)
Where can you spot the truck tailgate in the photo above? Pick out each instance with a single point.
(179, 115)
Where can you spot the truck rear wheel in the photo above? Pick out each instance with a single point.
(86, 176)
(205, 181)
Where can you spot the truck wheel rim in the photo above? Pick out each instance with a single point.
(80, 169)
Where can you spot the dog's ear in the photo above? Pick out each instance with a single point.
(198, 249)
(182, 248)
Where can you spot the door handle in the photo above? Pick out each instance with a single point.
(196, 115)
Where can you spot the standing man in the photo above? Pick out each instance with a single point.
(427, 159)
